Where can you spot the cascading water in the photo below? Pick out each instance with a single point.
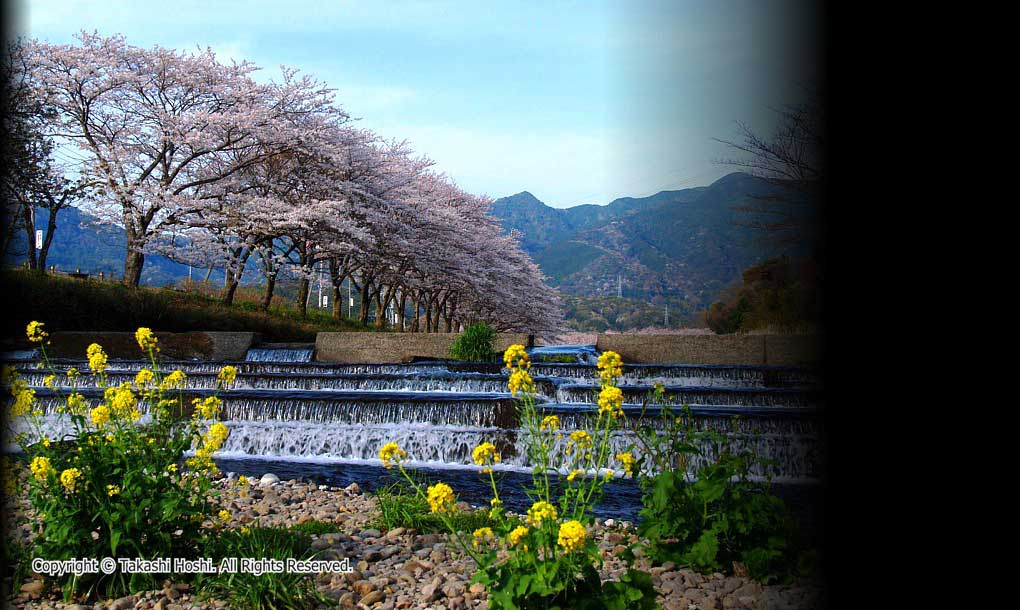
(439, 411)
(274, 353)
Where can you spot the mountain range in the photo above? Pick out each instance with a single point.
(680, 247)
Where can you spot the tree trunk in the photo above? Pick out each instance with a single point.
(133, 264)
(401, 304)
(416, 322)
(363, 314)
(233, 279)
(29, 218)
(51, 228)
(267, 297)
(302, 296)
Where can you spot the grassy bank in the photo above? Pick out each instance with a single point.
(67, 304)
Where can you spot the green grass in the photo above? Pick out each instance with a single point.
(68, 304)
(400, 507)
(316, 527)
(248, 591)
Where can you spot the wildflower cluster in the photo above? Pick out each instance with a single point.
(116, 475)
(549, 559)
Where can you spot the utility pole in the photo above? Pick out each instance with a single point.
(619, 285)
(667, 315)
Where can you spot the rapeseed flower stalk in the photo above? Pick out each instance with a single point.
(69, 479)
(627, 459)
(226, 376)
(521, 381)
(146, 340)
(391, 454)
(515, 536)
(482, 535)
(541, 510)
(208, 408)
(571, 536)
(23, 402)
(550, 423)
(144, 379)
(610, 367)
(611, 401)
(97, 358)
(41, 468)
(440, 498)
(35, 332)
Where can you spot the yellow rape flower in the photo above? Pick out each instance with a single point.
(69, 479)
(485, 454)
(112, 490)
(440, 498)
(41, 468)
(174, 380)
(572, 536)
(582, 439)
(97, 358)
(76, 403)
(224, 516)
(627, 459)
(390, 454)
(611, 401)
(206, 409)
(49, 381)
(521, 381)
(146, 339)
(73, 372)
(550, 422)
(515, 536)
(144, 378)
(540, 511)
(481, 535)
(227, 375)
(516, 357)
(35, 332)
(574, 474)
(610, 367)
(23, 402)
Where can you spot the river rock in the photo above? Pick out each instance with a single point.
(268, 479)
(373, 597)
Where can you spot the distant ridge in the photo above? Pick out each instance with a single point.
(681, 246)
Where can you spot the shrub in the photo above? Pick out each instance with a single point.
(475, 344)
(715, 516)
(551, 559)
(115, 487)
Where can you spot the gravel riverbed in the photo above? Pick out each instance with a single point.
(401, 569)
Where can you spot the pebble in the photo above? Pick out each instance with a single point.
(406, 569)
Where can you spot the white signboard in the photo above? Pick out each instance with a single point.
(38, 239)
(325, 300)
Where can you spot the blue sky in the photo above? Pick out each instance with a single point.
(576, 102)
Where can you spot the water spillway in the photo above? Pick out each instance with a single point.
(283, 406)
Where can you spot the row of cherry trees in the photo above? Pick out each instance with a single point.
(199, 161)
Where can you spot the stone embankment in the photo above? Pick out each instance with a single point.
(403, 569)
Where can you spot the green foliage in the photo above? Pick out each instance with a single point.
(401, 506)
(716, 516)
(270, 591)
(17, 561)
(114, 488)
(475, 344)
(775, 295)
(89, 305)
(316, 527)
